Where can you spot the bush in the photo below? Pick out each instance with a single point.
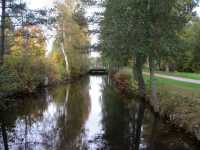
(125, 76)
(21, 73)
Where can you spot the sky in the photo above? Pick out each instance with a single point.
(35, 4)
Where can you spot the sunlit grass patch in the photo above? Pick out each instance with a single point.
(195, 76)
(176, 87)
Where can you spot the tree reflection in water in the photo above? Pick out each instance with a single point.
(122, 120)
(86, 115)
(130, 124)
(49, 121)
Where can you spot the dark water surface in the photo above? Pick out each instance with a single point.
(86, 115)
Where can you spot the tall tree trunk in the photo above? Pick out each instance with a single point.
(137, 72)
(3, 3)
(153, 84)
(167, 67)
(65, 57)
(159, 64)
(63, 49)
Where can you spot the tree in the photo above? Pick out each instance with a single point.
(166, 19)
(8, 9)
(145, 28)
(188, 54)
(2, 31)
(20, 16)
(72, 38)
(123, 36)
(24, 68)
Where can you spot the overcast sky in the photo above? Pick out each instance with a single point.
(48, 3)
(34, 4)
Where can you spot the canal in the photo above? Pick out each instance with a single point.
(86, 115)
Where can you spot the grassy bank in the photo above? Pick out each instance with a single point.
(179, 102)
(187, 75)
(176, 87)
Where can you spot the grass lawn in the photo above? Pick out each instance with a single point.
(188, 75)
(178, 84)
(173, 86)
(195, 76)
(176, 87)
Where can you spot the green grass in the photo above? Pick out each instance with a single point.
(176, 87)
(188, 75)
(170, 82)
(172, 86)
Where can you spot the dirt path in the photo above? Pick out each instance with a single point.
(176, 78)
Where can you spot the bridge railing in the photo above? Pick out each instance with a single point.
(98, 71)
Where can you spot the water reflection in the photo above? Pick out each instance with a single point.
(50, 121)
(93, 126)
(86, 115)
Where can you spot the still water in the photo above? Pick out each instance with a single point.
(86, 115)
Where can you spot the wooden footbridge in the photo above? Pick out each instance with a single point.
(97, 67)
(98, 71)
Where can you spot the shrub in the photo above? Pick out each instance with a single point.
(21, 73)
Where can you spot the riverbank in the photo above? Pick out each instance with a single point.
(92, 111)
(179, 107)
(9, 94)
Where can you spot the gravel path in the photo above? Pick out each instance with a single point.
(176, 78)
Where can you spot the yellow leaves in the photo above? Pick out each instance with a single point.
(75, 40)
(55, 66)
(26, 59)
(29, 41)
(55, 57)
